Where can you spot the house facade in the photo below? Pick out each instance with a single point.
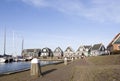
(69, 53)
(31, 52)
(87, 51)
(98, 49)
(114, 45)
(46, 52)
(83, 50)
(58, 52)
(79, 51)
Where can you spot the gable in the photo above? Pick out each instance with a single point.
(87, 47)
(81, 48)
(117, 41)
(102, 48)
(69, 49)
(96, 47)
(58, 49)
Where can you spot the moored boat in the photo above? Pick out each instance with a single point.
(2, 60)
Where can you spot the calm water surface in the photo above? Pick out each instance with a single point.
(16, 66)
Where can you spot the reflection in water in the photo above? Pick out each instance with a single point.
(15, 66)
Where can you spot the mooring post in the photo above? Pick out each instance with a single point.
(72, 59)
(35, 69)
(65, 61)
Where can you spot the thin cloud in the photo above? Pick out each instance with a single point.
(98, 10)
(36, 3)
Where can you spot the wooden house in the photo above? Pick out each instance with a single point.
(85, 50)
(46, 52)
(79, 51)
(58, 52)
(69, 53)
(98, 49)
(114, 45)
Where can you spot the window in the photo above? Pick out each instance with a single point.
(119, 47)
(44, 50)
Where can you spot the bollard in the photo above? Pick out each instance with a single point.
(65, 61)
(72, 59)
(35, 68)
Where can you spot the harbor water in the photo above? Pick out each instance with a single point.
(19, 66)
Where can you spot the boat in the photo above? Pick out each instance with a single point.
(29, 58)
(2, 60)
(5, 58)
(19, 59)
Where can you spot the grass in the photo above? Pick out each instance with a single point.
(106, 68)
(105, 60)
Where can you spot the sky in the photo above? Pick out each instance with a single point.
(53, 23)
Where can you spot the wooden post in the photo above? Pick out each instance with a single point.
(72, 59)
(65, 61)
(35, 68)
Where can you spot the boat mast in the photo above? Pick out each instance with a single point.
(13, 43)
(22, 45)
(4, 41)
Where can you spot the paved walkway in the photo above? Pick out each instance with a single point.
(75, 71)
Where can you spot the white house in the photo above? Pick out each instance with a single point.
(46, 52)
(58, 52)
(98, 49)
(69, 53)
(85, 50)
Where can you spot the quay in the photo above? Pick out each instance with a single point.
(99, 68)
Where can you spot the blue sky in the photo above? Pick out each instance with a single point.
(53, 23)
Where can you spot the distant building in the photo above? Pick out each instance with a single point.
(114, 45)
(83, 50)
(58, 52)
(31, 52)
(98, 49)
(87, 51)
(79, 51)
(46, 52)
(69, 53)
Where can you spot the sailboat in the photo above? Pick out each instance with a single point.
(2, 58)
(20, 58)
(5, 58)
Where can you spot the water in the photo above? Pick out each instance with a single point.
(17, 66)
